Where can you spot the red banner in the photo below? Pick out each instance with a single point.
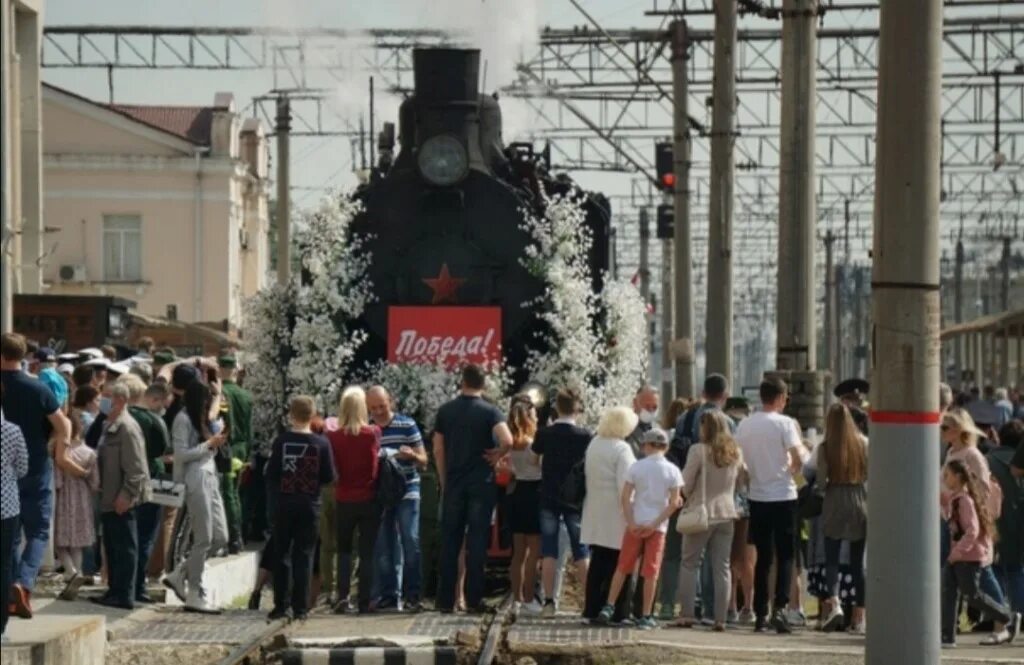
(450, 335)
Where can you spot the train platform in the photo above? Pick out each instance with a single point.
(568, 636)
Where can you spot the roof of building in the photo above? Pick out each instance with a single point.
(191, 123)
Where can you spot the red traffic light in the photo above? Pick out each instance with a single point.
(668, 179)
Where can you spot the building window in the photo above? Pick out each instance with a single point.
(122, 248)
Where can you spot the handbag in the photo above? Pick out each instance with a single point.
(164, 491)
(695, 519)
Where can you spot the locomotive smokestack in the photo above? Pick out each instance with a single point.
(444, 75)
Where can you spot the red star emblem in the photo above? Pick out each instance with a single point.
(444, 285)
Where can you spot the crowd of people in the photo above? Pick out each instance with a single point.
(716, 514)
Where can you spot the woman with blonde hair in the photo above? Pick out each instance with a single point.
(356, 448)
(607, 460)
(714, 470)
(841, 476)
(523, 503)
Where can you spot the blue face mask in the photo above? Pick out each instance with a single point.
(216, 426)
(105, 405)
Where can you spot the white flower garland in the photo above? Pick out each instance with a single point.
(333, 292)
(597, 342)
(298, 335)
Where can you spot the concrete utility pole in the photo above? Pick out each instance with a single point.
(795, 318)
(858, 321)
(1004, 287)
(718, 341)
(958, 310)
(7, 239)
(283, 216)
(831, 331)
(683, 347)
(903, 561)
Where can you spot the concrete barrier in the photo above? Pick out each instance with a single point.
(56, 639)
(227, 579)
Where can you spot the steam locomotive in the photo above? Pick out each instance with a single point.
(444, 220)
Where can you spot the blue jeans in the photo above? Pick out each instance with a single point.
(989, 585)
(466, 509)
(550, 519)
(1012, 577)
(36, 493)
(397, 553)
(147, 518)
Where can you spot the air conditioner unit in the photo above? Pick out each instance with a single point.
(73, 273)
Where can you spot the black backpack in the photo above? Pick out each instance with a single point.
(390, 481)
(574, 488)
(679, 447)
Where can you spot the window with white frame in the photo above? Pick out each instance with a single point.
(122, 248)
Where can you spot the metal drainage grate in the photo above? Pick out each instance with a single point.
(186, 627)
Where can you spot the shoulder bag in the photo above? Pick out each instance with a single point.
(694, 519)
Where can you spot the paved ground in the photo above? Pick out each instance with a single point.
(568, 635)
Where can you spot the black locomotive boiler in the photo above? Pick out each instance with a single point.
(444, 215)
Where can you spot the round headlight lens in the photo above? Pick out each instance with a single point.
(443, 160)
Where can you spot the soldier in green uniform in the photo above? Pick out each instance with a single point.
(239, 419)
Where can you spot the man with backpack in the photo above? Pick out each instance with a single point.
(398, 544)
(562, 447)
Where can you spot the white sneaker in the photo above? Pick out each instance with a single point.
(533, 607)
(796, 617)
(175, 581)
(197, 602)
(548, 612)
(514, 610)
(746, 617)
(833, 619)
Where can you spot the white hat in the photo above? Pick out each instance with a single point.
(66, 368)
(91, 352)
(100, 362)
(68, 357)
(119, 368)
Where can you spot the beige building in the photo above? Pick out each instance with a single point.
(162, 205)
(21, 25)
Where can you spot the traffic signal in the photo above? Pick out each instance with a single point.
(666, 221)
(663, 165)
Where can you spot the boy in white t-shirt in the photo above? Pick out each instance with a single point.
(649, 497)
(774, 452)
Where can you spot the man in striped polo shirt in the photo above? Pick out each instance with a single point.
(398, 545)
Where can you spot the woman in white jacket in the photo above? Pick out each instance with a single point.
(195, 447)
(608, 459)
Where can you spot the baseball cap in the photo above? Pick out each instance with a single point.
(66, 368)
(45, 355)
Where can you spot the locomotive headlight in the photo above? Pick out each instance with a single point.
(443, 160)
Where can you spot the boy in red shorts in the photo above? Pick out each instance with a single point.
(649, 497)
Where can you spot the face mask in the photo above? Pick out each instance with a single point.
(105, 405)
(647, 417)
(216, 426)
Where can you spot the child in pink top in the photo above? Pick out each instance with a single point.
(971, 529)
